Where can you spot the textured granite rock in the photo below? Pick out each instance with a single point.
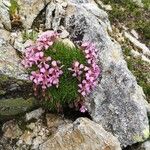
(10, 62)
(83, 134)
(15, 90)
(4, 15)
(118, 103)
(29, 10)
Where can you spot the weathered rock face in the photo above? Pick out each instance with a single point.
(118, 103)
(22, 134)
(15, 91)
(4, 16)
(29, 10)
(10, 62)
(83, 134)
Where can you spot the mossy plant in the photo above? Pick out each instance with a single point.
(29, 35)
(63, 73)
(11, 107)
(68, 87)
(128, 13)
(14, 8)
(146, 4)
(140, 69)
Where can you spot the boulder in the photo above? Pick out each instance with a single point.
(15, 90)
(83, 134)
(117, 103)
(11, 130)
(35, 114)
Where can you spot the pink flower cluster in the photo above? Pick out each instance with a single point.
(90, 73)
(47, 75)
(47, 71)
(46, 40)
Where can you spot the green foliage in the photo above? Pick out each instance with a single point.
(11, 107)
(146, 4)
(128, 13)
(141, 70)
(68, 86)
(14, 7)
(26, 35)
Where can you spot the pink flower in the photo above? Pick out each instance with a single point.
(77, 69)
(83, 109)
(48, 71)
(32, 56)
(46, 39)
(91, 72)
(90, 52)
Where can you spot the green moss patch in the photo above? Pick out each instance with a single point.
(130, 15)
(68, 86)
(11, 107)
(141, 71)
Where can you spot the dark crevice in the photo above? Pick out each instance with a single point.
(73, 114)
(62, 21)
(53, 13)
(39, 21)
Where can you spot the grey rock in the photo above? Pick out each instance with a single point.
(145, 145)
(139, 45)
(5, 35)
(36, 142)
(83, 134)
(54, 122)
(13, 82)
(106, 7)
(54, 22)
(117, 103)
(49, 11)
(4, 16)
(135, 34)
(11, 130)
(35, 114)
(29, 10)
(10, 62)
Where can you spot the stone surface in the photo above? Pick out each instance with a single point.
(135, 34)
(106, 7)
(11, 130)
(135, 42)
(15, 106)
(59, 11)
(83, 134)
(15, 91)
(5, 34)
(35, 114)
(145, 146)
(29, 10)
(4, 16)
(118, 103)
(19, 134)
(10, 63)
(54, 121)
(136, 54)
